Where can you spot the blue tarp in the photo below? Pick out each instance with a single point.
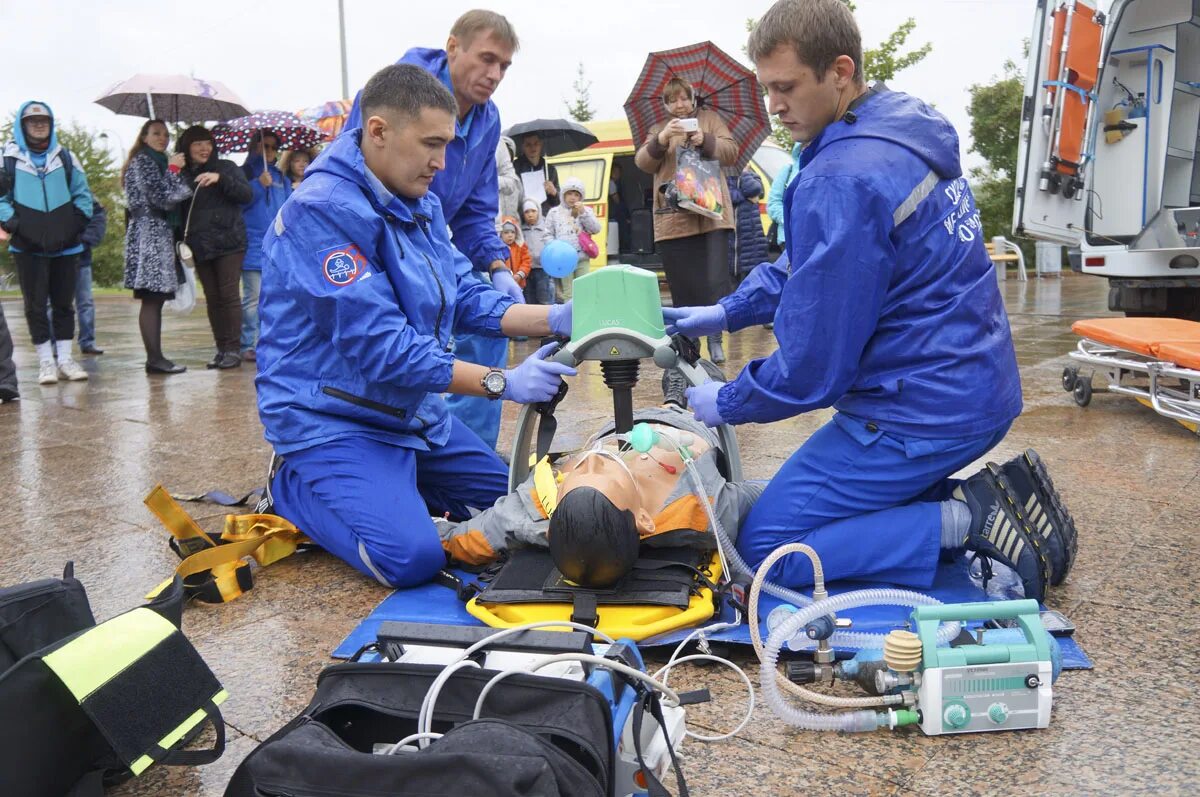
(432, 603)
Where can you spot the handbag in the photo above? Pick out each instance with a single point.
(587, 245)
(185, 271)
(182, 250)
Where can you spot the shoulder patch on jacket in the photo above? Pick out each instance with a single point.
(342, 264)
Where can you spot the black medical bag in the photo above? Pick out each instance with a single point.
(536, 736)
(83, 705)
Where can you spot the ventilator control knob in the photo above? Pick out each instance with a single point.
(998, 713)
(956, 715)
(902, 651)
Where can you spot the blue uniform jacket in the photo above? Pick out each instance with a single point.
(50, 213)
(360, 292)
(260, 213)
(889, 309)
(467, 187)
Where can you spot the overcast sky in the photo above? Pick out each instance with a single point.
(286, 56)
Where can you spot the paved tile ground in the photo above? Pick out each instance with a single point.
(77, 459)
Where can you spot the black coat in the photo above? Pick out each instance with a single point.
(522, 165)
(216, 227)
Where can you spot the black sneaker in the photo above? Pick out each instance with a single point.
(674, 387)
(999, 532)
(1026, 479)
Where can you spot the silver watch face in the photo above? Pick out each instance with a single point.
(494, 383)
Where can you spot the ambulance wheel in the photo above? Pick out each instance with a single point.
(1083, 392)
(1070, 376)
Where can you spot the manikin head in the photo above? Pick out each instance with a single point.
(408, 121)
(479, 52)
(808, 54)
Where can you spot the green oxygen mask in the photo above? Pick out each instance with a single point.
(643, 437)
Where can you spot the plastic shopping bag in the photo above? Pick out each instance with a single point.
(185, 295)
(698, 183)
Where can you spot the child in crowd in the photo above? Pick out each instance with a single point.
(540, 287)
(565, 223)
(518, 253)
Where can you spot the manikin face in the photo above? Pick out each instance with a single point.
(804, 104)
(157, 137)
(617, 483)
(531, 145)
(477, 69)
(406, 154)
(200, 151)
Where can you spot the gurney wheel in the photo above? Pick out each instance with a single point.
(1070, 377)
(1083, 391)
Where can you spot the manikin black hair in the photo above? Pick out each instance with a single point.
(592, 542)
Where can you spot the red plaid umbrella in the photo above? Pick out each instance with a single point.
(722, 85)
(292, 131)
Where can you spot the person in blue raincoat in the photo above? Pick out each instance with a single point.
(361, 293)
(477, 55)
(886, 308)
(271, 190)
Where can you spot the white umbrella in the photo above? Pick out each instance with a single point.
(173, 98)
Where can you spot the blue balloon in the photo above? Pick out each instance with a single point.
(559, 258)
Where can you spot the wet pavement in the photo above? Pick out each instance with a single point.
(77, 460)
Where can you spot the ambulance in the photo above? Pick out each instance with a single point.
(1107, 157)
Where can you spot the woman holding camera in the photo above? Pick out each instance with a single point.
(694, 248)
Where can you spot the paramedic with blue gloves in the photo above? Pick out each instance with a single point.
(886, 308)
(477, 55)
(361, 290)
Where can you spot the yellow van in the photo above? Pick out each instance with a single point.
(616, 148)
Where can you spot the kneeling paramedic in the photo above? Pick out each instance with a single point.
(361, 289)
(886, 308)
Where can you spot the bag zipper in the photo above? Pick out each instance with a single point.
(395, 412)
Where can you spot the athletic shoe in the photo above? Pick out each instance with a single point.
(70, 370)
(1026, 479)
(8, 393)
(48, 374)
(715, 352)
(228, 359)
(674, 387)
(999, 532)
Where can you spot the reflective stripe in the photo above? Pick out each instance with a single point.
(92, 659)
(366, 560)
(172, 738)
(909, 206)
(1030, 503)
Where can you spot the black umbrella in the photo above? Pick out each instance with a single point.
(558, 135)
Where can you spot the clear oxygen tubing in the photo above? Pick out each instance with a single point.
(848, 639)
(755, 636)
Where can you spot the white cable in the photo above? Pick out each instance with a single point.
(425, 715)
(611, 664)
(407, 740)
(741, 673)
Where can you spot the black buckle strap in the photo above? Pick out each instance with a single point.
(465, 590)
(654, 787)
(547, 423)
(583, 609)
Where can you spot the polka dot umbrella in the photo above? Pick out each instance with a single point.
(292, 131)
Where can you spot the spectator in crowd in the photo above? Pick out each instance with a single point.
(44, 212)
(748, 244)
(566, 222)
(518, 260)
(294, 162)
(153, 191)
(694, 248)
(778, 189)
(618, 209)
(216, 233)
(508, 183)
(8, 369)
(270, 189)
(540, 287)
(478, 53)
(85, 306)
(531, 160)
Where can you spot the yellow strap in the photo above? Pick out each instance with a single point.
(268, 538)
(546, 486)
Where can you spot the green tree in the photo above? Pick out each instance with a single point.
(581, 110)
(995, 110)
(103, 174)
(879, 63)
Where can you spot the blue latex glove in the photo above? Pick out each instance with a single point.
(695, 321)
(702, 401)
(502, 280)
(560, 319)
(536, 379)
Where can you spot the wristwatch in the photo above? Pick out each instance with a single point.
(494, 383)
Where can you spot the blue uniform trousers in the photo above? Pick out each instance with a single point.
(369, 503)
(866, 501)
(481, 415)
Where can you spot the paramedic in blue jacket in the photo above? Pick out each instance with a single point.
(885, 308)
(478, 53)
(361, 292)
(45, 212)
(271, 190)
